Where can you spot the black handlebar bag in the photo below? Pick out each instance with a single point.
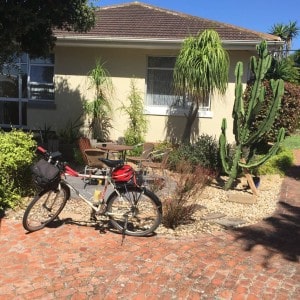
(45, 175)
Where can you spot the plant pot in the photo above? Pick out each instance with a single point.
(256, 181)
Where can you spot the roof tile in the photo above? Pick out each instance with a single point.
(137, 20)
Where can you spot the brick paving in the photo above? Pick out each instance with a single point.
(78, 262)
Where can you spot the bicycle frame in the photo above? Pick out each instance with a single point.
(101, 200)
(68, 171)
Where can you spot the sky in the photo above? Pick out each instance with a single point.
(258, 15)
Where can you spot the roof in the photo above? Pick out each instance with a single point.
(139, 21)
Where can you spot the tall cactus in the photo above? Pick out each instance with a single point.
(243, 118)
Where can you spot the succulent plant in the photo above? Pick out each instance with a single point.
(243, 116)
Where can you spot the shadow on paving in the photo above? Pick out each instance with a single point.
(294, 172)
(2, 214)
(278, 234)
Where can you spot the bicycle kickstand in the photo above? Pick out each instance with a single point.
(124, 229)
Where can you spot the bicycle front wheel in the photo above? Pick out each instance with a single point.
(44, 208)
(134, 211)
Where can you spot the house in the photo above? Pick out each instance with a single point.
(134, 40)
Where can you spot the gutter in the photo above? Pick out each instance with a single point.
(152, 43)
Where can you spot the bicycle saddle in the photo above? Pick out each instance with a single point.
(112, 163)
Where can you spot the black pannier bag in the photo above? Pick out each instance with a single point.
(45, 175)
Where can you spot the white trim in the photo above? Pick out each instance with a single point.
(160, 110)
(150, 43)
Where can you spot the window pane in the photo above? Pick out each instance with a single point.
(41, 74)
(41, 91)
(43, 60)
(160, 87)
(24, 58)
(41, 85)
(160, 81)
(161, 62)
(10, 70)
(9, 113)
(9, 86)
(9, 80)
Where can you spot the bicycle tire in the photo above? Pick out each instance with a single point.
(142, 208)
(45, 207)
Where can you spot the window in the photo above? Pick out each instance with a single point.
(41, 73)
(160, 81)
(160, 96)
(21, 81)
(26, 78)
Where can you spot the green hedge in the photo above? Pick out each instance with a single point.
(288, 115)
(16, 155)
(278, 164)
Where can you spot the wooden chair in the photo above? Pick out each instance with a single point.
(145, 156)
(91, 156)
(161, 165)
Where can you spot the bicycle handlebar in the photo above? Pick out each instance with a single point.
(61, 165)
(41, 149)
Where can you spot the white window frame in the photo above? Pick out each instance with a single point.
(167, 110)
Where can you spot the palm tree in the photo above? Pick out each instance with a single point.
(285, 67)
(292, 32)
(279, 29)
(201, 68)
(287, 33)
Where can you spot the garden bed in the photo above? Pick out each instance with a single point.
(215, 210)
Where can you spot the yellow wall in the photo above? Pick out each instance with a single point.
(72, 87)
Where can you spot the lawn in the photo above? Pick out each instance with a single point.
(292, 142)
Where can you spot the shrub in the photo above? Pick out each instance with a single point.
(179, 208)
(16, 155)
(181, 153)
(70, 133)
(288, 115)
(137, 127)
(277, 164)
(78, 159)
(204, 153)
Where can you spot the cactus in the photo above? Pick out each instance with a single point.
(243, 118)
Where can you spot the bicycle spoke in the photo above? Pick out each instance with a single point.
(43, 209)
(135, 208)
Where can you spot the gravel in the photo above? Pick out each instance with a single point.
(213, 205)
(214, 201)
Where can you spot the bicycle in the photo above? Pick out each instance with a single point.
(131, 208)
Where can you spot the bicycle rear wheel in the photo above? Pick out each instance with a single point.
(136, 211)
(44, 208)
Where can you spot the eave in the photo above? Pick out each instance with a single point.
(150, 43)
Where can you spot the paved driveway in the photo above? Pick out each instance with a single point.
(78, 262)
